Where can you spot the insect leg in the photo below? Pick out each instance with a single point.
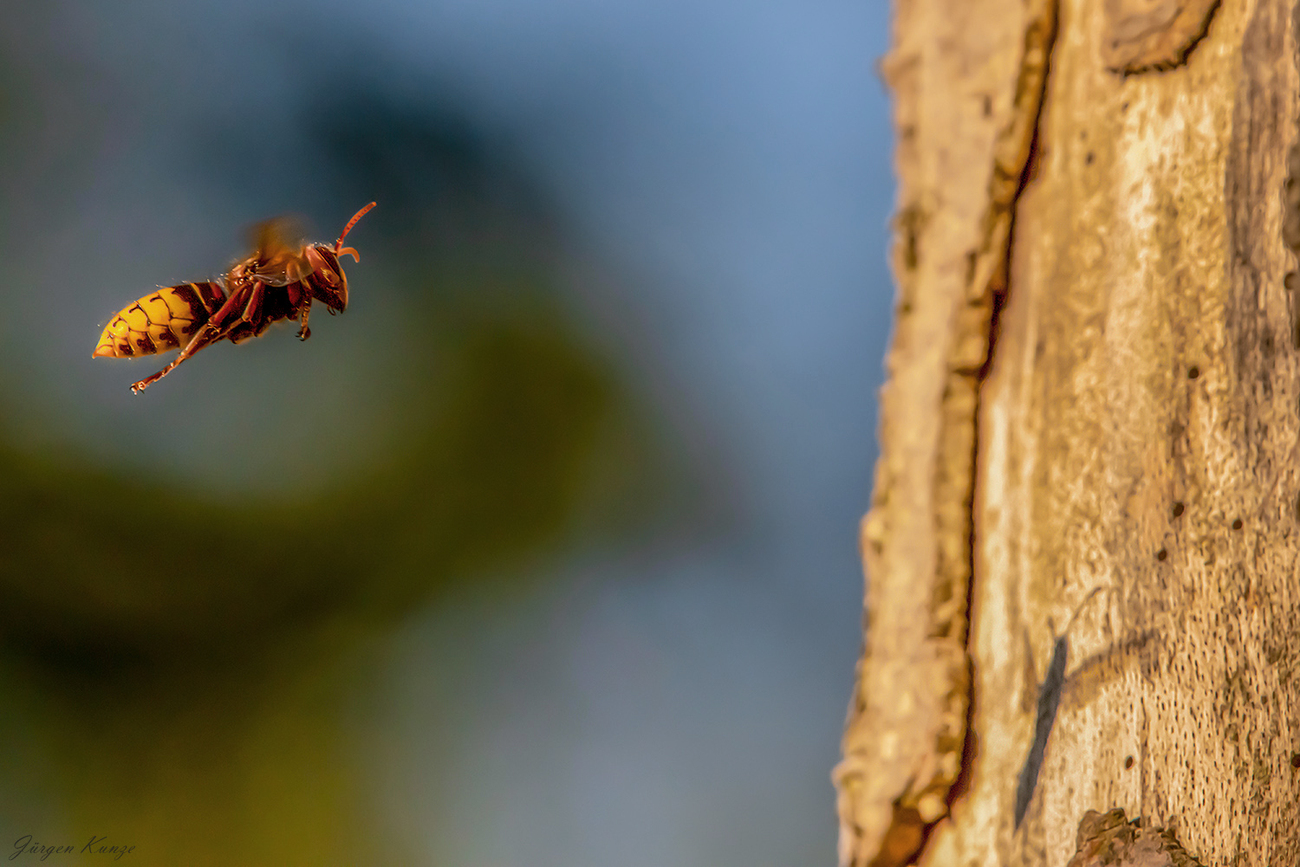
(204, 336)
(304, 332)
(216, 328)
(253, 308)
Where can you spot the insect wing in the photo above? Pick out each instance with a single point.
(277, 258)
(161, 321)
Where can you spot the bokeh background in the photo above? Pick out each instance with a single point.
(544, 553)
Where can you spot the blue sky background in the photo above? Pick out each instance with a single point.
(718, 178)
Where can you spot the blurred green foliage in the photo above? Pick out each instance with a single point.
(179, 668)
(189, 658)
(103, 568)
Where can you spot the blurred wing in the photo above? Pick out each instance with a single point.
(277, 233)
(277, 258)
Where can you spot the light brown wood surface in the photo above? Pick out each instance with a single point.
(1093, 386)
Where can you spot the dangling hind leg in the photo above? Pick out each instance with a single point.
(304, 332)
(216, 328)
(205, 335)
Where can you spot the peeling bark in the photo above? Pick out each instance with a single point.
(1110, 840)
(969, 79)
(1142, 35)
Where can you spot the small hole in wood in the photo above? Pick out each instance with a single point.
(1236, 524)
(1161, 555)
(1295, 760)
(1128, 762)
(1193, 372)
(1178, 510)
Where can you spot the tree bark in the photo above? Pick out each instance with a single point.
(1082, 540)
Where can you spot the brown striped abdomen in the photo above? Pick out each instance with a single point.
(165, 320)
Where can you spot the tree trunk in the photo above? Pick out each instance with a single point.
(1083, 534)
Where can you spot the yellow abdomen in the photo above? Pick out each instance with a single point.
(165, 320)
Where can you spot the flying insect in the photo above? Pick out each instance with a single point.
(278, 281)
